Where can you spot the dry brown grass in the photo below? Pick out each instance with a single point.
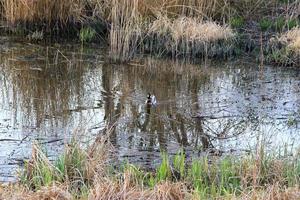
(291, 39)
(191, 29)
(125, 29)
(47, 11)
(104, 190)
(272, 192)
(284, 49)
(189, 37)
(18, 192)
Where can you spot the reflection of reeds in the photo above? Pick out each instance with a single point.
(39, 91)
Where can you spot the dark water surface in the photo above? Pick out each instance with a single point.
(51, 93)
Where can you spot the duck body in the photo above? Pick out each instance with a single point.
(151, 100)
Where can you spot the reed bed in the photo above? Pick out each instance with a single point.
(189, 37)
(89, 173)
(45, 11)
(133, 24)
(125, 30)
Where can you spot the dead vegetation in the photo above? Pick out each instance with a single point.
(284, 49)
(134, 26)
(81, 173)
(189, 37)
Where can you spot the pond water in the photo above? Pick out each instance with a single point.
(49, 93)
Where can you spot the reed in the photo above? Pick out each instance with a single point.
(87, 174)
(189, 37)
(126, 29)
(45, 11)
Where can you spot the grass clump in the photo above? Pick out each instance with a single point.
(237, 22)
(292, 23)
(87, 34)
(265, 24)
(75, 168)
(43, 11)
(189, 37)
(86, 174)
(285, 48)
(279, 24)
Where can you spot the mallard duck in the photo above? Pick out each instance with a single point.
(151, 99)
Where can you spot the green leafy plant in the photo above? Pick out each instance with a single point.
(237, 22)
(87, 34)
(292, 23)
(265, 24)
(164, 170)
(179, 163)
(279, 24)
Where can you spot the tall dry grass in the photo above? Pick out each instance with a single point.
(44, 11)
(186, 36)
(87, 174)
(284, 49)
(291, 39)
(126, 29)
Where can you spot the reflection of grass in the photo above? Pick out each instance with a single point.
(86, 174)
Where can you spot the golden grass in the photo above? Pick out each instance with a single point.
(191, 29)
(108, 189)
(125, 29)
(19, 192)
(129, 184)
(70, 11)
(189, 37)
(47, 11)
(272, 192)
(131, 21)
(291, 39)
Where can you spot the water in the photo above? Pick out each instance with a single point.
(51, 93)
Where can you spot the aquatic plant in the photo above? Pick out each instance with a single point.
(164, 170)
(237, 22)
(265, 24)
(291, 23)
(279, 24)
(87, 174)
(76, 167)
(87, 34)
(179, 163)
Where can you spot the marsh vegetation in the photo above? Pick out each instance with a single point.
(75, 74)
(186, 29)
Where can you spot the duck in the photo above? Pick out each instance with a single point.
(151, 100)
